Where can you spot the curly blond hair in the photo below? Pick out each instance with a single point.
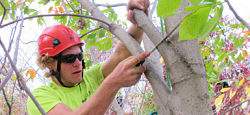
(44, 62)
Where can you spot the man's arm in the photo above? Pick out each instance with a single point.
(121, 52)
(125, 74)
(119, 71)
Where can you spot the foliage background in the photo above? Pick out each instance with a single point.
(225, 53)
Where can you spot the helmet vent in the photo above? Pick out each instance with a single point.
(56, 42)
(72, 37)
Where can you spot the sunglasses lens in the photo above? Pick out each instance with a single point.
(71, 58)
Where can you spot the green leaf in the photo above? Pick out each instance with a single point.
(13, 5)
(221, 67)
(88, 63)
(63, 20)
(92, 35)
(32, 10)
(241, 42)
(40, 21)
(26, 10)
(35, 13)
(239, 58)
(191, 25)
(108, 44)
(1, 11)
(14, 79)
(57, 3)
(166, 7)
(195, 2)
(236, 82)
(211, 94)
(202, 5)
(236, 42)
(13, 14)
(104, 44)
(6, 3)
(235, 26)
(29, 1)
(211, 24)
(92, 40)
(222, 55)
(102, 33)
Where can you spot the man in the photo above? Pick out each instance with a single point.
(77, 91)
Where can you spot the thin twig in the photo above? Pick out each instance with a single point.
(19, 76)
(28, 42)
(48, 15)
(90, 31)
(7, 102)
(4, 12)
(70, 6)
(112, 5)
(144, 93)
(235, 106)
(64, 6)
(237, 16)
(11, 71)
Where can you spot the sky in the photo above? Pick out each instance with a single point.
(31, 31)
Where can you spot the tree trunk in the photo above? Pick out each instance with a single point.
(185, 66)
(183, 61)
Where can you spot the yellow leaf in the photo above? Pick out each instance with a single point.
(224, 89)
(245, 54)
(24, 80)
(241, 82)
(50, 9)
(87, 56)
(247, 33)
(232, 94)
(247, 91)
(218, 100)
(32, 73)
(162, 60)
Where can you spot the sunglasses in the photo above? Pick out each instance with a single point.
(70, 58)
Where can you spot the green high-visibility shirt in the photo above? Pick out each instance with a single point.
(49, 96)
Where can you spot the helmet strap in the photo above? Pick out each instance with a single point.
(57, 73)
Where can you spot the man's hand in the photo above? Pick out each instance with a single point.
(126, 72)
(139, 4)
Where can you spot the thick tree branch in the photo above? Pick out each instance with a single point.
(159, 86)
(4, 12)
(90, 31)
(48, 15)
(237, 16)
(19, 76)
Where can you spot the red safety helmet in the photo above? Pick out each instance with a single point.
(57, 38)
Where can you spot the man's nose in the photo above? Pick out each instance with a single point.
(77, 62)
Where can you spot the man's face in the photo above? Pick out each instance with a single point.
(71, 73)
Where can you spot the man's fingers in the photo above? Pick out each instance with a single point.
(138, 58)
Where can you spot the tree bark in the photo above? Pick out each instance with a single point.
(185, 66)
(183, 59)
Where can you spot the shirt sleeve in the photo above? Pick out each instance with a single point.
(93, 77)
(45, 98)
